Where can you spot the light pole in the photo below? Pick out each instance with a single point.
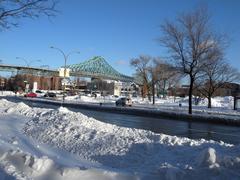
(65, 56)
(2, 84)
(44, 66)
(28, 63)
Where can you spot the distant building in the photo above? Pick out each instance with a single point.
(228, 89)
(21, 81)
(181, 91)
(3, 83)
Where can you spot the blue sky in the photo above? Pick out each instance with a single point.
(118, 30)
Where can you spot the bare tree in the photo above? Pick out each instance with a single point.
(153, 70)
(188, 41)
(141, 64)
(166, 74)
(216, 73)
(13, 10)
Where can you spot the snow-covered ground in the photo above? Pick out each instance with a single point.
(22, 157)
(38, 143)
(220, 105)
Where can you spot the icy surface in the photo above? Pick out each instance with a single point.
(60, 144)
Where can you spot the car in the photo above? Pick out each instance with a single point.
(86, 92)
(30, 94)
(50, 94)
(124, 101)
(38, 91)
(95, 94)
(71, 93)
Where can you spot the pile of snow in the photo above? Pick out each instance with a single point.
(71, 98)
(24, 158)
(89, 99)
(226, 102)
(20, 165)
(140, 153)
(7, 93)
(221, 106)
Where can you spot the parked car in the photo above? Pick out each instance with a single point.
(96, 94)
(39, 93)
(30, 94)
(86, 93)
(50, 94)
(71, 93)
(124, 101)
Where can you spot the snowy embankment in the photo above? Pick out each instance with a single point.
(103, 150)
(221, 106)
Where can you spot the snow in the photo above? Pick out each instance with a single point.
(41, 143)
(22, 157)
(25, 166)
(222, 106)
(7, 93)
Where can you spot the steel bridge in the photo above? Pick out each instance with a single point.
(97, 67)
(28, 70)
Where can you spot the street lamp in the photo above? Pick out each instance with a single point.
(65, 56)
(44, 66)
(28, 63)
(2, 84)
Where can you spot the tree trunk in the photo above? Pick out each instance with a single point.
(235, 103)
(149, 97)
(209, 102)
(153, 92)
(164, 86)
(190, 95)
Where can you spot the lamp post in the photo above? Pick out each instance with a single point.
(2, 84)
(65, 56)
(44, 66)
(28, 63)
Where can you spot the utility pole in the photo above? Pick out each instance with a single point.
(65, 56)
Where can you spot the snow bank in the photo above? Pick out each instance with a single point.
(141, 153)
(7, 93)
(20, 165)
(224, 102)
